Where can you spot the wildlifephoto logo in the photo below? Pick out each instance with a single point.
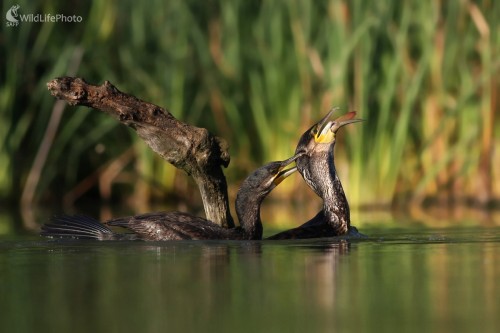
(14, 17)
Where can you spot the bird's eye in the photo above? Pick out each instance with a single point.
(315, 131)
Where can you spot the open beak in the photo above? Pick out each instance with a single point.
(283, 172)
(343, 120)
(321, 131)
(324, 131)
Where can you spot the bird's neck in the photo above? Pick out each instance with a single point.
(336, 208)
(335, 205)
(248, 211)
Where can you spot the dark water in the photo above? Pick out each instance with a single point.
(399, 280)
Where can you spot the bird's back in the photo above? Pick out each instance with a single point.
(161, 226)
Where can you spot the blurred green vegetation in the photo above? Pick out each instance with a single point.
(424, 75)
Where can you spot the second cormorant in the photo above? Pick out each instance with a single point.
(181, 226)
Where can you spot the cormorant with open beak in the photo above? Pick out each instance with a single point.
(317, 167)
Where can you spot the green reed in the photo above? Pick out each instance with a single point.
(422, 74)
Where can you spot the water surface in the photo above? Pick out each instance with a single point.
(405, 279)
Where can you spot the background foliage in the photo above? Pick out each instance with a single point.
(424, 75)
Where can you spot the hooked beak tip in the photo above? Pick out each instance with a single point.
(340, 124)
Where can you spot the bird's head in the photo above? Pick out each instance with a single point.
(322, 134)
(255, 188)
(267, 177)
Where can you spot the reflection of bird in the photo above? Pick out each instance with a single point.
(316, 165)
(178, 226)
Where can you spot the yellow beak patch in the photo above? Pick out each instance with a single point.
(325, 136)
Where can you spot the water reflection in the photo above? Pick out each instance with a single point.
(439, 280)
(182, 285)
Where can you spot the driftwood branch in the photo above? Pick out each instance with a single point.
(190, 148)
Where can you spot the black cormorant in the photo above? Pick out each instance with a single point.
(180, 226)
(316, 165)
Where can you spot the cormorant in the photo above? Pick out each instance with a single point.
(316, 165)
(180, 226)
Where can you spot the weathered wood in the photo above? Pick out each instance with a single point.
(190, 148)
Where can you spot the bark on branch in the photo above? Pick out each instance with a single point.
(190, 148)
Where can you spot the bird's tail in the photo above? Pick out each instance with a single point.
(77, 227)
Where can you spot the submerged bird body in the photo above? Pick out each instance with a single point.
(159, 226)
(317, 167)
(181, 226)
(317, 227)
